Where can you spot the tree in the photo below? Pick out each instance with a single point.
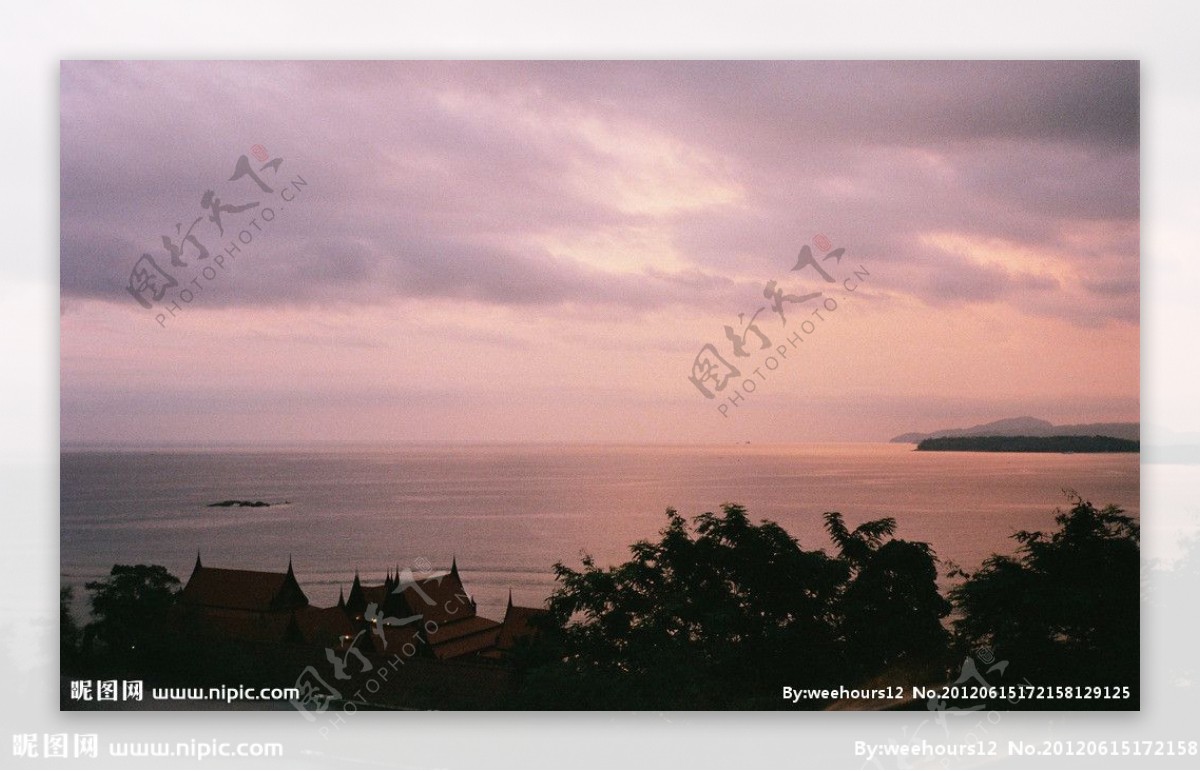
(131, 608)
(719, 614)
(68, 630)
(1065, 610)
(857, 546)
(891, 610)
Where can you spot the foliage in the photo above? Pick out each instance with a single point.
(723, 613)
(68, 630)
(891, 610)
(1065, 610)
(132, 608)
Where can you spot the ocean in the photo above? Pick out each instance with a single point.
(507, 513)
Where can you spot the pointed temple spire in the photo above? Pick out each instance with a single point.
(341, 598)
(198, 565)
(356, 602)
(454, 566)
(289, 570)
(510, 598)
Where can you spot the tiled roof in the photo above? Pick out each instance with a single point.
(449, 632)
(463, 638)
(458, 638)
(323, 626)
(441, 599)
(243, 590)
(517, 625)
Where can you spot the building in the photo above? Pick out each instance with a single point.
(434, 617)
(259, 608)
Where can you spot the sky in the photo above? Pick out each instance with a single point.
(553, 251)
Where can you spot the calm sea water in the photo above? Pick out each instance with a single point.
(509, 512)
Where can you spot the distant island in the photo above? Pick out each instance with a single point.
(1028, 444)
(1030, 427)
(251, 504)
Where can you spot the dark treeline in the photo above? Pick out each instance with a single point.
(721, 613)
(1029, 444)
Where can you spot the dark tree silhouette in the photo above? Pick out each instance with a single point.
(68, 631)
(131, 609)
(856, 547)
(892, 610)
(723, 613)
(1065, 610)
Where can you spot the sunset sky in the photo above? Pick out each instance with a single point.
(537, 251)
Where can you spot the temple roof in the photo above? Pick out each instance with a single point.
(252, 590)
(323, 626)
(440, 598)
(518, 624)
(448, 641)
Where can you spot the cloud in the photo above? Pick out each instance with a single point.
(478, 181)
(962, 282)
